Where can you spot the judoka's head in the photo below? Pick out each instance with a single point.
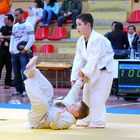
(79, 110)
(84, 24)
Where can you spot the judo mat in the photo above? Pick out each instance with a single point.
(121, 125)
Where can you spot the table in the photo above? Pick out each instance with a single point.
(55, 66)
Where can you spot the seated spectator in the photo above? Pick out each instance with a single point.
(50, 12)
(132, 37)
(119, 41)
(35, 12)
(70, 9)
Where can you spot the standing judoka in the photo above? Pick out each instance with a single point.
(94, 63)
(45, 114)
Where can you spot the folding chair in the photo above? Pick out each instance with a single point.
(42, 33)
(34, 48)
(47, 48)
(25, 15)
(58, 33)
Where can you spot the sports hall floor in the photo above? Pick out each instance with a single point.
(123, 120)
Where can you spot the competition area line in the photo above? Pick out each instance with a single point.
(109, 109)
(121, 105)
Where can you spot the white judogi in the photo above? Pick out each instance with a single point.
(72, 96)
(90, 60)
(43, 114)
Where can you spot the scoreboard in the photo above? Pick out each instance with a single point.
(129, 77)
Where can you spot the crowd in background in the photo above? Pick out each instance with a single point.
(17, 31)
(124, 44)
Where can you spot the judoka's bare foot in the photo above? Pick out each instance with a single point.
(84, 122)
(30, 74)
(92, 125)
(32, 62)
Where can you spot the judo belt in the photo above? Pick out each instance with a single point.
(104, 68)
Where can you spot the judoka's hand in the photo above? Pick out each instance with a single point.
(85, 79)
(81, 74)
(30, 74)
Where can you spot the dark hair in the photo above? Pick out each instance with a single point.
(132, 27)
(118, 26)
(113, 23)
(20, 10)
(39, 3)
(86, 18)
(51, 2)
(10, 17)
(83, 111)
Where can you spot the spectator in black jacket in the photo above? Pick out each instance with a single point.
(112, 28)
(119, 41)
(70, 9)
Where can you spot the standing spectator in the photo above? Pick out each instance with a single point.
(5, 56)
(50, 12)
(22, 31)
(119, 41)
(132, 37)
(70, 9)
(93, 63)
